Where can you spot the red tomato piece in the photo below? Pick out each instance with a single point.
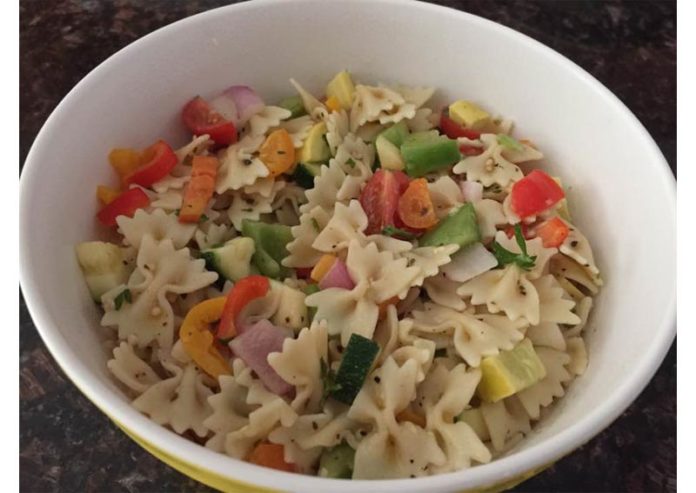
(453, 130)
(379, 199)
(155, 163)
(553, 232)
(535, 193)
(246, 290)
(470, 150)
(124, 205)
(201, 119)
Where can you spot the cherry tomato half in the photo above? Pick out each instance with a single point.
(201, 119)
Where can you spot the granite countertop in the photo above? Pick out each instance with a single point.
(67, 444)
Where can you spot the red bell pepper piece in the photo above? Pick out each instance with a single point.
(244, 291)
(124, 205)
(155, 163)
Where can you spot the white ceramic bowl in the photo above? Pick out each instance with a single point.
(622, 193)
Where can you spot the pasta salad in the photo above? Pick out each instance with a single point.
(363, 285)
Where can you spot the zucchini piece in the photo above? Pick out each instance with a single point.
(355, 365)
(291, 311)
(425, 153)
(337, 462)
(460, 227)
(474, 418)
(270, 246)
(304, 174)
(315, 148)
(510, 372)
(396, 134)
(103, 266)
(294, 105)
(342, 88)
(232, 260)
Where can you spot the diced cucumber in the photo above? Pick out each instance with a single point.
(388, 154)
(232, 260)
(270, 246)
(103, 265)
(460, 227)
(425, 153)
(396, 134)
(342, 88)
(337, 462)
(312, 310)
(304, 174)
(291, 311)
(355, 365)
(510, 372)
(315, 148)
(294, 105)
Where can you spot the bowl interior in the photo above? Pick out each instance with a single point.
(620, 193)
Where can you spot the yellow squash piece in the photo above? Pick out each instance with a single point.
(315, 149)
(342, 88)
(510, 372)
(389, 154)
(333, 104)
(322, 267)
(197, 339)
(469, 115)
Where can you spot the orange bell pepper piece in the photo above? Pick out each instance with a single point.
(200, 189)
(198, 340)
(270, 455)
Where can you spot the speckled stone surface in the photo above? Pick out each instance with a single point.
(66, 444)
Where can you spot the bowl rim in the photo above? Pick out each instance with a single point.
(501, 469)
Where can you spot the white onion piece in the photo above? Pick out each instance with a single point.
(471, 190)
(469, 263)
(224, 104)
(247, 102)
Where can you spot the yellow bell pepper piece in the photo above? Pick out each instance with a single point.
(333, 104)
(198, 340)
(106, 195)
(322, 267)
(124, 161)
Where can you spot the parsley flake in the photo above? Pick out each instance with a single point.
(328, 378)
(505, 257)
(394, 231)
(510, 142)
(123, 296)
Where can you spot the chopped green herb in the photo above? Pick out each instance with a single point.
(328, 378)
(203, 218)
(504, 256)
(350, 162)
(123, 296)
(510, 142)
(394, 231)
(176, 212)
(315, 224)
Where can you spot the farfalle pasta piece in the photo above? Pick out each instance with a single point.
(575, 347)
(299, 365)
(565, 267)
(445, 194)
(490, 215)
(443, 292)
(429, 260)
(423, 120)
(311, 434)
(393, 449)
(422, 351)
(547, 334)
(506, 421)
(286, 204)
(199, 145)
(346, 224)
(270, 410)
(158, 224)
(300, 250)
(542, 393)
(130, 369)
(210, 234)
(417, 96)
(337, 127)
(386, 334)
(473, 336)
(578, 248)
(238, 165)
(378, 276)
(298, 128)
(160, 270)
(445, 394)
(252, 206)
(507, 290)
(180, 401)
(582, 310)
(378, 104)
(496, 165)
(535, 248)
(553, 306)
(312, 105)
(229, 412)
(269, 117)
